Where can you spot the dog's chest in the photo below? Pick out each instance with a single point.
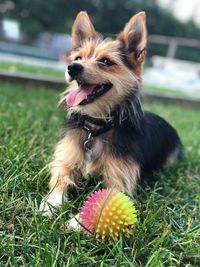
(93, 156)
(93, 149)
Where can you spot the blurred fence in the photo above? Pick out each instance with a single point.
(173, 43)
(174, 47)
(183, 48)
(29, 51)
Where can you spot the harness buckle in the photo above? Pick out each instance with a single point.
(88, 147)
(88, 142)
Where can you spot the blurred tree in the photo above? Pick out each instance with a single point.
(109, 16)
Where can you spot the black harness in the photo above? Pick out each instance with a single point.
(93, 126)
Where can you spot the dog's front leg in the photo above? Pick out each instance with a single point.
(121, 174)
(67, 159)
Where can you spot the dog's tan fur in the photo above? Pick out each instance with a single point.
(69, 159)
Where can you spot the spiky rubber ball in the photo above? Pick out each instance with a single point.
(108, 213)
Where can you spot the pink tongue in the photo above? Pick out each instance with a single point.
(74, 98)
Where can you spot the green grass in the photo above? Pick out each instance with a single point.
(26, 68)
(168, 232)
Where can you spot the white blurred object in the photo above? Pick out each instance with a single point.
(174, 74)
(11, 29)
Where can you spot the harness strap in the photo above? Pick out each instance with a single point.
(93, 126)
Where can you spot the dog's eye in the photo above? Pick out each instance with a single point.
(106, 61)
(78, 58)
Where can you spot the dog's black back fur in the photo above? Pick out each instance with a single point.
(147, 137)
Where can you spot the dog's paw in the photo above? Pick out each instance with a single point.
(51, 202)
(73, 223)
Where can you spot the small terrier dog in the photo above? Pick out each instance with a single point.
(106, 131)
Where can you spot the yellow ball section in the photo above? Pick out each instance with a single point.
(118, 215)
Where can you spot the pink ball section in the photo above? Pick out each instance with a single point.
(91, 209)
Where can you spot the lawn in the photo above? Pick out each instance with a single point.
(13, 67)
(168, 232)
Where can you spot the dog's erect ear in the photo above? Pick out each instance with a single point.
(134, 36)
(82, 29)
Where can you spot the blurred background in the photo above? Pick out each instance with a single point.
(35, 38)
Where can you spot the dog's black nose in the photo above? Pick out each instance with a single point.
(75, 69)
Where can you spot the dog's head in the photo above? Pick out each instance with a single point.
(103, 72)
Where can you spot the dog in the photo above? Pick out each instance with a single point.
(106, 131)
